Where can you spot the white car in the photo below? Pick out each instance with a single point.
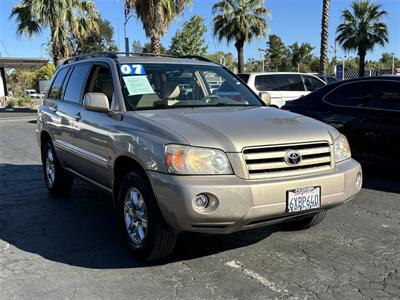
(32, 94)
(282, 87)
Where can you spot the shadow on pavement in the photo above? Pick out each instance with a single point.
(381, 179)
(80, 229)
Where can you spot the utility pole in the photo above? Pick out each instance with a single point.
(392, 63)
(128, 14)
(262, 58)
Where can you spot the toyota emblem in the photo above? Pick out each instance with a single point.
(293, 157)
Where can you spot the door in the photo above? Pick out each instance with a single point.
(92, 135)
(69, 108)
(291, 87)
(267, 83)
(54, 117)
(350, 112)
(387, 123)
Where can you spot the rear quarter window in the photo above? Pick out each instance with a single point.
(357, 94)
(389, 97)
(56, 91)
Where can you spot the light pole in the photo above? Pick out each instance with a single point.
(41, 49)
(392, 63)
(262, 58)
(128, 14)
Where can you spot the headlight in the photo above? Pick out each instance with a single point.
(342, 149)
(196, 161)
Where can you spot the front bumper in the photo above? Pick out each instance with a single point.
(241, 204)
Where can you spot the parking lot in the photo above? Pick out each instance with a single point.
(69, 247)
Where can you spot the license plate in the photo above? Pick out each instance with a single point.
(303, 199)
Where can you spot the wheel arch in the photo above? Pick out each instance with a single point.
(122, 165)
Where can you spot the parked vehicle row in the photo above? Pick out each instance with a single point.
(366, 110)
(282, 87)
(209, 161)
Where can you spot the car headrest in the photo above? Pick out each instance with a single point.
(170, 90)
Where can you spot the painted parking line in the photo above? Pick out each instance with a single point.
(264, 281)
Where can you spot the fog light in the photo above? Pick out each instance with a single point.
(200, 201)
(359, 180)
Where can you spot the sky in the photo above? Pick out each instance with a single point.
(292, 20)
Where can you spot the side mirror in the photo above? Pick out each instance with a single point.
(265, 97)
(96, 102)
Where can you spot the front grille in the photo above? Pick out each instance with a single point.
(269, 161)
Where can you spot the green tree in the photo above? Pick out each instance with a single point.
(362, 29)
(137, 47)
(156, 15)
(97, 41)
(45, 72)
(323, 59)
(226, 59)
(60, 16)
(300, 54)
(190, 40)
(240, 21)
(277, 54)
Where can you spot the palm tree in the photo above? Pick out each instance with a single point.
(62, 17)
(241, 21)
(362, 29)
(323, 58)
(156, 15)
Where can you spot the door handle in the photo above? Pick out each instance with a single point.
(78, 116)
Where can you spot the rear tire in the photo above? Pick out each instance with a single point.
(140, 221)
(58, 181)
(305, 222)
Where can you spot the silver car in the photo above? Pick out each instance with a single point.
(197, 161)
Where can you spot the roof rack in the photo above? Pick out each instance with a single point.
(89, 55)
(116, 54)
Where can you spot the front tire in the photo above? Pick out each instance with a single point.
(141, 223)
(58, 181)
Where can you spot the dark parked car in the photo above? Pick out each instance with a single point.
(366, 110)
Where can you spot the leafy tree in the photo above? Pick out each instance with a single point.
(227, 59)
(45, 72)
(156, 15)
(253, 65)
(60, 16)
(137, 46)
(190, 40)
(146, 48)
(97, 41)
(323, 61)
(362, 29)
(300, 54)
(240, 21)
(277, 54)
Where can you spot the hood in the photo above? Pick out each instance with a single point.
(232, 129)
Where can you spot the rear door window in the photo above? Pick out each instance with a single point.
(357, 94)
(389, 97)
(244, 77)
(74, 90)
(279, 82)
(312, 83)
(56, 89)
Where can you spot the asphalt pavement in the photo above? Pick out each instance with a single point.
(62, 248)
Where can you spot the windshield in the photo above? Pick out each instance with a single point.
(158, 86)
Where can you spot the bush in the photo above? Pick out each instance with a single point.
(24, 101)
(11, 104)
